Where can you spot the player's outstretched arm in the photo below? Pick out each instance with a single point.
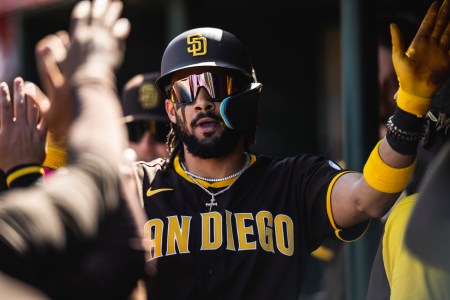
(422, 69)
(73, 202)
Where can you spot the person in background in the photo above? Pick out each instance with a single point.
(145, 117)
(396, 272)
(429, 226)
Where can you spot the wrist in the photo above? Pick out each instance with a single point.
(21, 175)
(55, 158)
(413, 104)
(403, 132)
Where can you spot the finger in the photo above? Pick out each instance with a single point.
(113, 13)
(43, 129)
(57, 47)
(49, 73)
(32, 109)
(442, 20)
(99, 8)
(398, 45)
(6, 110)
(20, 107)
(445, 38)
(64, 38)
(427, 25)
(121, 29)
(80, 16)
(35, 94)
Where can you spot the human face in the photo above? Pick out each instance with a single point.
(201, 129)
(148, 139)
(148, 149)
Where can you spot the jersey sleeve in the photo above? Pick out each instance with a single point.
(317, 177)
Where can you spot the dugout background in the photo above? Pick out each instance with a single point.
(296, 48)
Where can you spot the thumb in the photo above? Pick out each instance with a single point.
(398, 45)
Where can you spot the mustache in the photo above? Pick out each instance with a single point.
(208, 114)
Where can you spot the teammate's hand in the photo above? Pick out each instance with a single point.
(425, 66)
(98, 36)
(96, 45)
(50, 53)
(22, 138)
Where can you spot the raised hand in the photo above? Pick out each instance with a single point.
(424, 67)
(22, 138)
(96, 42)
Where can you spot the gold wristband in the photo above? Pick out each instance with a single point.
(55, 158)
(22, 172)
(413, 104)
(384, 178)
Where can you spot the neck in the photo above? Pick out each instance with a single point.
(215, 167)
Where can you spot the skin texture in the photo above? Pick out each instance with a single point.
(22, 138)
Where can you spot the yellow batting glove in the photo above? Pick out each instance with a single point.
(425, 66)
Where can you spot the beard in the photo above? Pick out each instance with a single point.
(208, 147)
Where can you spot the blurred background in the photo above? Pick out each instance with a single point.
(325, 67)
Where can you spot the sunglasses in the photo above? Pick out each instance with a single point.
(218, 86)
(157, 129)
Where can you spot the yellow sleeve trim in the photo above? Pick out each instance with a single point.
(329, 211)
(323, 253)
(22, 172)
(55, 158)
(413, 104)
(384, 178)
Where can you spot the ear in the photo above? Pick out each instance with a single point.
(170, 109)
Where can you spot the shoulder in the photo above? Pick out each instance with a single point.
(150, 167)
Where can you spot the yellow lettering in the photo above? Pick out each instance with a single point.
(285, 246)
(213, 219)
(264, 220)
(153, 232)
(243, 231)
(178, 235)
(230, 238)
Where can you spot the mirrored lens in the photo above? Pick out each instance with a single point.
(218, 86)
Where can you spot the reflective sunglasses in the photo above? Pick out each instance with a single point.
(218, 86)
(157, 129)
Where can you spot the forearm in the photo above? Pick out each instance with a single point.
(95, 90)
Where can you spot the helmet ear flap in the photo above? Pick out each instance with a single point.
(241, 111)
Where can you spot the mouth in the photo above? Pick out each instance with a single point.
(207, 125)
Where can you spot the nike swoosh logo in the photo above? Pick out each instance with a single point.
(151, 193)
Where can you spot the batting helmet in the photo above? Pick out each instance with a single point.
(203, 48)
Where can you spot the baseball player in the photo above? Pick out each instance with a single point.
(145, 117)
(224, 223)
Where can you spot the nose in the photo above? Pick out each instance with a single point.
(204, 101)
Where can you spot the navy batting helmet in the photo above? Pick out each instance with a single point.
(202, 48)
